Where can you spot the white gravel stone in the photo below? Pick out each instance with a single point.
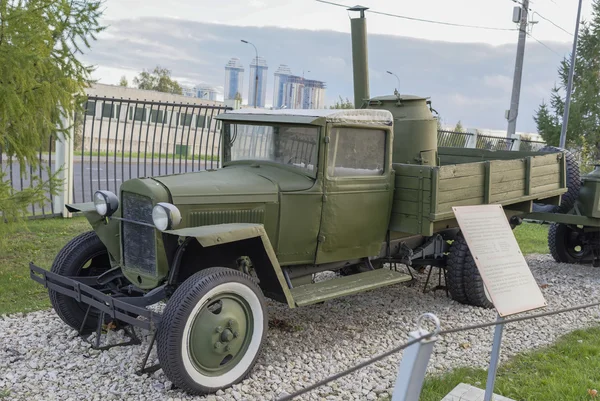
(42, 359)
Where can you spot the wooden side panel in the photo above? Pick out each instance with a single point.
(461, 170)
(424, 196)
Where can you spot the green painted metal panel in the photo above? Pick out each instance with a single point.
(300, 220)
(348, 285)
(589, 196)
(565, 219)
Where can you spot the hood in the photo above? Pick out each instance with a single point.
(233, 184)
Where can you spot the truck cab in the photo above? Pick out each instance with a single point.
(331, 171)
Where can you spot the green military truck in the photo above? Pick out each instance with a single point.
(359, 192)
(299, 192)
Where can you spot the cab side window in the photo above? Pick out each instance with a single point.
(356, 152)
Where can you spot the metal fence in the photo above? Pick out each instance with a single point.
(21, 179)
(118, 139)
(453, 139)
(494, 142)
(531, 146)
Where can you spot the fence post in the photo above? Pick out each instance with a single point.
(472, 140)
(63, 164)
(413, 365)
(516, 144)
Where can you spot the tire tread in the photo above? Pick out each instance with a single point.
(474, 286)
(454, 271)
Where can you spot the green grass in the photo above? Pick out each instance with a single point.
(35, 241)
(147, 156)
(563, 371)
(532, 238)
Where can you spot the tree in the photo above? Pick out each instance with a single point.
(123, 81)
(41, 83)
(583, 129)
(458, 127)
(158, 80)
(342, 104)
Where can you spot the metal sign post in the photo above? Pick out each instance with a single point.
(495, 358)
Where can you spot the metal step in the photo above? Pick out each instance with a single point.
(347, 285)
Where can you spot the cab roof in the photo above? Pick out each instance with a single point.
(310, 116)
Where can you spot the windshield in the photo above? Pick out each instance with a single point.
(289, 145)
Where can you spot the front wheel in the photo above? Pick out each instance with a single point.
(212, 330)
(83, 256)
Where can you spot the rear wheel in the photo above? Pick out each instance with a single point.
(454, 269)
(568, 245)
(212, 330)
(477, 294)
(83, 256)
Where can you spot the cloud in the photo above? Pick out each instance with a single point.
(466, 81)
(498, 81)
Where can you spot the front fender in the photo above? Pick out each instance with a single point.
(220, 234)
(108, 232)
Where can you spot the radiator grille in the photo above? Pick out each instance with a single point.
(139, 242)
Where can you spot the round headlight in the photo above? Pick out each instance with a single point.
(166, 216)
(106, 203)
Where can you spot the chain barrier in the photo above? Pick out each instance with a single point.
(429, 335)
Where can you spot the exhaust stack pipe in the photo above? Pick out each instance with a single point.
(360, 65)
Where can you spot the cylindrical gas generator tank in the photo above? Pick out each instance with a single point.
(415, 128)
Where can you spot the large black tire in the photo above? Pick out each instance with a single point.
(454, 269)
(573, 184)
(85, 255)
(474, 287)
(567, 245)
(212, 330)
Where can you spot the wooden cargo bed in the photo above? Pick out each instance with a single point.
(424, 196)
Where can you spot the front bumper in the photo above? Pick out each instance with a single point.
(81, 290)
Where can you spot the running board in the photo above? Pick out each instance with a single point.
(313, 293)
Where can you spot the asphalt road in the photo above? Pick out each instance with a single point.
(92, 175)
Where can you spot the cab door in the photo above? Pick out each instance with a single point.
(358, 192)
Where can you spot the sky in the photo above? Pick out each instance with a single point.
(467, 72)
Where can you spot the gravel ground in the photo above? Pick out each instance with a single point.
(42, 360)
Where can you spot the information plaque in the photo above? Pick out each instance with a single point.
(507, 278)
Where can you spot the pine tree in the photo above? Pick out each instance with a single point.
(41, 82)
(583, 129)
(458, 127)
(123, 81)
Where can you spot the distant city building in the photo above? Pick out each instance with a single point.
(200, 91)
(234, 79)
(188, 91)
(314, 94)
(258, 67)
(300, 93)
(281, 75)
(206, 92)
